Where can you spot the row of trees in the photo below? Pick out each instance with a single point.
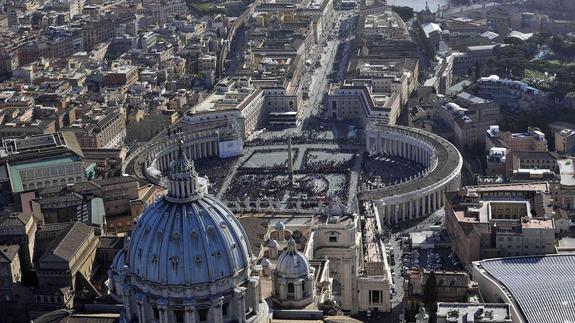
(542, 53)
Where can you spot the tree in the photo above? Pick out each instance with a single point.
(430, 296)
(406, 13)
(477, 71)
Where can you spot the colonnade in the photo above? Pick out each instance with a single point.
(194, 150)
(415, 204)
(420, 196)
(404, 146)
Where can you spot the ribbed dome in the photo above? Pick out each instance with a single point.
(292, 263)
(272, 243)
(188, 237)
(266, 263)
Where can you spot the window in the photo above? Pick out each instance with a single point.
(179, 316)
(333, 239)
(226, 309)
(290, 288)
(203, 314)
(156, 313)
(374, 296)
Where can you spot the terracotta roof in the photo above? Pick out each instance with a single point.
(67, 244)
(15, 219)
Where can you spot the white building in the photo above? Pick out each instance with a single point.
(358, 101)
(239, 103)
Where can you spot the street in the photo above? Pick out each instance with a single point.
(392, 235)
(315, 77)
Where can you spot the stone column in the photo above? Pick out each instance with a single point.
(420, 155)
(298, 290)
(216, 312)
(283, 290)
(240, 300)
(126, 290)
(141, 312)
(439, 197)
(403, 211)
(189, 313)
(405, 150)
(383, 146)
(163, 309)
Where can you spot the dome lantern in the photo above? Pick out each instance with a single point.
(183, 183)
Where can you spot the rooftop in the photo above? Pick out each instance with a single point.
(21, 147)
(567, 171)
(482, 312)
(8, 253)
(67, 244)
(428, 28)
(471, 98)
(540, 286)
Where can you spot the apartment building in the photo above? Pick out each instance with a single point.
(500, 221)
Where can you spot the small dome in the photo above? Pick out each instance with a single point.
(118, 262)
(280, 225)
(273, 244)
(266, 263)
(292, 263)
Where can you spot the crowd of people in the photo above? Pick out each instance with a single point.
(257, 186)
(315, 163)
(216, 170)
